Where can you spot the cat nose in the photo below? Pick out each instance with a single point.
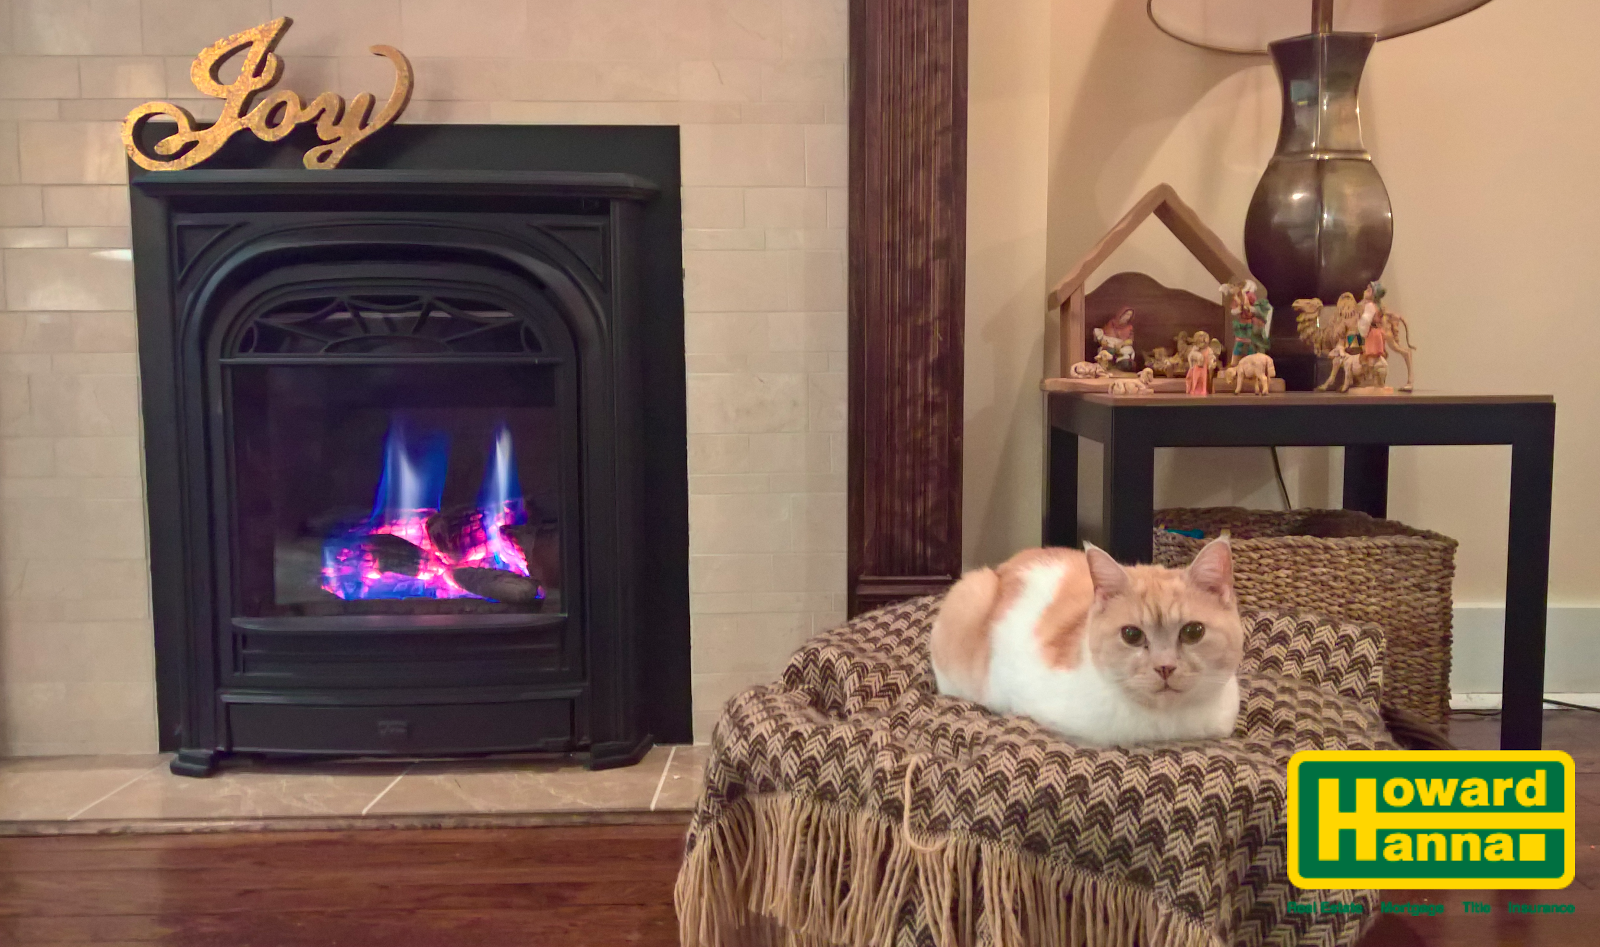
(1165, 670)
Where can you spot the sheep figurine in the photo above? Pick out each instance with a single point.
(1256, 368)
(1139, 385)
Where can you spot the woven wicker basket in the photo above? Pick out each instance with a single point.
(1348, 566)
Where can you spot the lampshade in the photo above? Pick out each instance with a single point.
(1247, 26)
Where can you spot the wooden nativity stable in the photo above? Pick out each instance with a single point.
(1160, 312)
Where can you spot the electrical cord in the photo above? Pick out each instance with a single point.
(1548, 700)
(1277, 470)
(1562, 703)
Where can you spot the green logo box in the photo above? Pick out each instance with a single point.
(1432, 819)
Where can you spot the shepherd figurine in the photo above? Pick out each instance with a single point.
(1252, 319)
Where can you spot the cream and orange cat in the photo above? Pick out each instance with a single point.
(1104, 654)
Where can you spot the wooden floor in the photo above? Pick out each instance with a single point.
(599, 886)
(1577, 733)
(602, 886)
(1499, 928)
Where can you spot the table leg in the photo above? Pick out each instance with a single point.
(1128, 497)
(1061, 488)
(1527, 587)
(1366, 478)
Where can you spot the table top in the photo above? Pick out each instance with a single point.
(1303, 418)
(1245, 402)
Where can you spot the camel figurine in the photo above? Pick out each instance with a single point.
(1377, 372)
(1342, 333)
(1307, 319)
(1359, 372)
(1339, 332)
(1396, 326)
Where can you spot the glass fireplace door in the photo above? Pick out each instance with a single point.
(397, 456)
(397, 488)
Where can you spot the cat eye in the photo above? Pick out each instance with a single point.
(1132, 635)
(1191, 632)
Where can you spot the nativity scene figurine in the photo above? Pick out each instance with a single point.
(1116, 341)
(1251, 318)
(1356, 340)
(1121, 327)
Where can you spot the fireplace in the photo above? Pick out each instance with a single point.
(415, 446)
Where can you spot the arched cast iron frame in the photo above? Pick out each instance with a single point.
(591, 453)
(229, 277)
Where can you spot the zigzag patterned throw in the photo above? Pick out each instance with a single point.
(1012, 838)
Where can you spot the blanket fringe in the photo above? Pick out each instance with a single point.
(790, 871)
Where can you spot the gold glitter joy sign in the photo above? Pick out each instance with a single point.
(273, 116)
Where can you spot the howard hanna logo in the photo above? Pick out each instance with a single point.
(1430, 819)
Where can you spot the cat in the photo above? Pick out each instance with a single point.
(1100, 653)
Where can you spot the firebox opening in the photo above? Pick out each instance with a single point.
(412, 546)
(399, 488)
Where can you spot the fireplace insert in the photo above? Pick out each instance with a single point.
(415, 455)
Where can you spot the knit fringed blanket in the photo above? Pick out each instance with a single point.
(1012, 838)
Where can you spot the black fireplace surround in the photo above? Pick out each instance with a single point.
(414, 439)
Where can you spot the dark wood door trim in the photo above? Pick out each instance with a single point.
(908, 193)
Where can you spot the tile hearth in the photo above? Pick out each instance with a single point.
(49, 795)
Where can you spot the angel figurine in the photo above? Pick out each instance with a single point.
(1201, 362)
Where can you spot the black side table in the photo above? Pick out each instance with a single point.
(1132, 427)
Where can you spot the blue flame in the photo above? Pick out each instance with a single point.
(411, 480)
(410, 490)
(500, 484)
(500, 499)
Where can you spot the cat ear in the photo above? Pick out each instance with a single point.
(1212, 570)
(1107, 574)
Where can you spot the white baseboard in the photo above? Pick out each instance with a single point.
(1492, 701)
(1572, 655)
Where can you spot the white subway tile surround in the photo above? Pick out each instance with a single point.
(758, 87)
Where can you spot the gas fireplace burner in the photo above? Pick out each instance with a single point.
(415, 448)
(414, 546)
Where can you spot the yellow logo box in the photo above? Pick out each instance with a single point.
(1432, 819)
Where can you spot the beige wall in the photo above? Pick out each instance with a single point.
(1078, 106)
(758, 87)
(1007, 147)
(1481, 128)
